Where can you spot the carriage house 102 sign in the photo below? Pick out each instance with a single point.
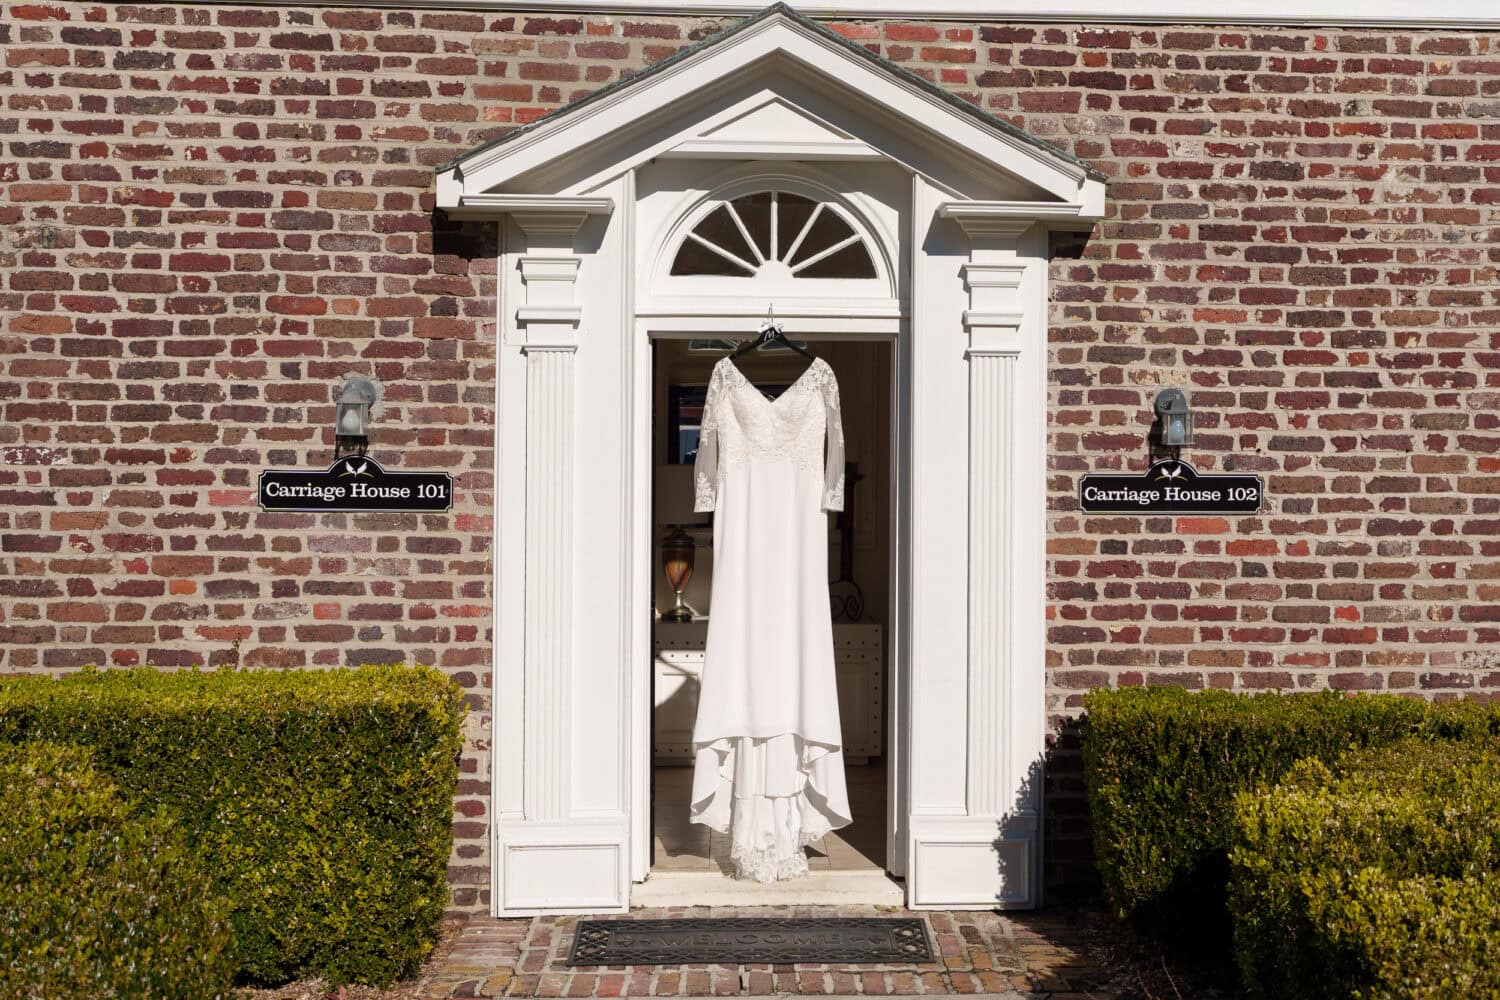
(1171, 487)
(354, 484)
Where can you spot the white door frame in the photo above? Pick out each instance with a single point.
(570, 605)
(890, 334)
(971, 397)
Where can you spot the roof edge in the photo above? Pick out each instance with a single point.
(782, 9)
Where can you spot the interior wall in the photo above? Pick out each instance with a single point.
(864, 376)
(864, 371)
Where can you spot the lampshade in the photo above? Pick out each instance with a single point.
(1176, 418)
(351, 418)
(677, 553)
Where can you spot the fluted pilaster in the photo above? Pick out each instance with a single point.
(994, 277)
(549, 576)
(991, 529)
(548, 318)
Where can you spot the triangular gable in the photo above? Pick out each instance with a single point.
(777, 31)
(776, 120)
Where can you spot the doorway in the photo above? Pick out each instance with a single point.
(689, 860)
(604, 207)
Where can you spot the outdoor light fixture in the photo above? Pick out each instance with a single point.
(1175, 418)
(351, 422)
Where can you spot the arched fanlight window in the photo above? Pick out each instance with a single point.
(774, 232)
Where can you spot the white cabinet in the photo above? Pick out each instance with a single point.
(859, 660)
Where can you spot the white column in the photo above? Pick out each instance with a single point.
(547, 858)
(994, 277)
(549, 591)
(991, 854)
(549, 319)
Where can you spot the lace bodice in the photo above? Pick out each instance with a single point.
(802, 426)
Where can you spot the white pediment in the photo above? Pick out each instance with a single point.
(776, 121)
(769, 126)
(776, 85)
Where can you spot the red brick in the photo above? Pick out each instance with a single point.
(218, 217)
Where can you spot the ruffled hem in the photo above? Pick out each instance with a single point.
(773, 795)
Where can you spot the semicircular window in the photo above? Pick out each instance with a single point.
(774, 232)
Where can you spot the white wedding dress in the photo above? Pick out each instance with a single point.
(769, 763)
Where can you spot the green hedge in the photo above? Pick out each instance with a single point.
(1162, 767)
(1380, 883)
(320, 801)
(95, 900)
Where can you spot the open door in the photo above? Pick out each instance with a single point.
(690, 864)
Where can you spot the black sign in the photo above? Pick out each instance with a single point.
(1170, 488)
(354, 483)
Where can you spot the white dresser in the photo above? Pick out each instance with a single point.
(858, 658)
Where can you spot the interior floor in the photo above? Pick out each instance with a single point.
(684, 846)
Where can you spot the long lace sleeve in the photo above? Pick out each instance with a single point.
(706, 466)
(833, 468)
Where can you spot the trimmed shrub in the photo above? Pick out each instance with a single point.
(96, 900)
(1380, 883)
(320, 801)
(1162, 767)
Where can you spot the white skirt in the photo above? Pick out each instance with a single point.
(767, 744)
(773, 795)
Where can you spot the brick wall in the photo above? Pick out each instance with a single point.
(210, 214)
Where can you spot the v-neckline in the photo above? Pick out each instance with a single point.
(769, 400)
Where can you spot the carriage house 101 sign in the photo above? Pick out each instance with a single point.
(1171, 487)
(354, 483)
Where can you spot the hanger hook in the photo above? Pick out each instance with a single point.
(770, 321)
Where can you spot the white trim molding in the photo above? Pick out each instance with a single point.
(568, 213)
(552, 857)
(993, 319)
(1452, 15)
(843, 296)
(984, 848)
(797, 152)
(780, 43)
(575, 866)
(1011, 218)
(965, 306)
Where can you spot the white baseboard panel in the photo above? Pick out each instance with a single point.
(975, 862)
(575, 867)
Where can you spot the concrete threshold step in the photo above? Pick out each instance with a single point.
(717, 889)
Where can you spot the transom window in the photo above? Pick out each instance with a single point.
(775, 234)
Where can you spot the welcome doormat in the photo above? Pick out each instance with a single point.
(745, 940)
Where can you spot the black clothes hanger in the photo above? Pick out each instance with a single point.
(770, 333)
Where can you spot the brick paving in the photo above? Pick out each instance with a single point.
(978, 952)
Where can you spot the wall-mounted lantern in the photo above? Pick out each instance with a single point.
(1175, 418)
(351, 421)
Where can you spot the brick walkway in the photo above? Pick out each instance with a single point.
(1026, 955)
